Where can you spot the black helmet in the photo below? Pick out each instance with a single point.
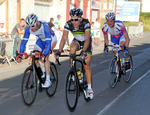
(76, 12)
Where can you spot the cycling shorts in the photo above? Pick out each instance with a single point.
(81, 43)
(41, 45)
(122, 38)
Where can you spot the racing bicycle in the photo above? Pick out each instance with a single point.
(31, 81)
(117, 67)
(75, 85)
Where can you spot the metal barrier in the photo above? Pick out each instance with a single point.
(8, 57)
(135, 31)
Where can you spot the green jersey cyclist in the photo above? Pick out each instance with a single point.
(81, 30)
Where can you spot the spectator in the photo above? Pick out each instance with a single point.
(92, 32)
(58, 23)
(2, 44)
(51, 24)
(16, 32)
(97, 26)
(141, 23)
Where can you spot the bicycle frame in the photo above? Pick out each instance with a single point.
(33, 62)
(117, 54)
(74, 60)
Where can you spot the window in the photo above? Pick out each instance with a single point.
(110, 6)
(105, 6)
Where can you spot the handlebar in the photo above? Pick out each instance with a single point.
(35, 53)
(117, 46)
(71, 56)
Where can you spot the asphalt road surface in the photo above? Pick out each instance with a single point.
(131, 98)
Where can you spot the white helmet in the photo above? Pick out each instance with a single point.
(110, 16)
(31, 20)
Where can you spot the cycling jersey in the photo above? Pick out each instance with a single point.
(116, 32)
(78, 34)
(46, 38)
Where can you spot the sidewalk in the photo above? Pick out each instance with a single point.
(96, 50)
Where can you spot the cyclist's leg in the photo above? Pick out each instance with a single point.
(88, 71)
(123, 42)
(46, 63)
(39, 46)
(73, 48)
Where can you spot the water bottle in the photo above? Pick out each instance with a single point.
(80, 76)
(123, 60)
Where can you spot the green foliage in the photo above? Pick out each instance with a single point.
(145, 14)
(144, 17)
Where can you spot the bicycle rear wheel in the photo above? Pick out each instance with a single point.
(29, 86)
(54, 79)
(128, 73)
(72, 90)
(113, 73)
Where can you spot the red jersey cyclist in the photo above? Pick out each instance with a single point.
(118, 34)
(46, 41)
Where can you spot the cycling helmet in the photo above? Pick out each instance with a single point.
(31, 20)
(76, 12)
(110, 16)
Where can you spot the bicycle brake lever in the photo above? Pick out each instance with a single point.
(57, 60)
(84, 62)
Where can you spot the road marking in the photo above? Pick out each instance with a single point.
(117, 98)
(104, 61)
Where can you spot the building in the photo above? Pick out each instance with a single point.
(13, 10)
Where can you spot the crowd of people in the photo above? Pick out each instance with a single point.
(81, 30)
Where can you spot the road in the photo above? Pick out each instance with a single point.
(126, 98)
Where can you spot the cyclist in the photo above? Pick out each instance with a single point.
(118, 34)
(46, 41)
(81, 30)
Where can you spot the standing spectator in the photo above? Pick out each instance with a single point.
(141, 23)
(92, 32)
(16, 35)
(97, 26)
(2, 44)
(51, 24)
(58, 23)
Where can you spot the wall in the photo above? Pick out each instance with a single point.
(2, 9)
(12, 15)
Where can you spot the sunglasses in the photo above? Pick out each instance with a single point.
(32, 26)
(77, 19)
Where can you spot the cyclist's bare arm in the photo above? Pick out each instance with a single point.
(63, 40)
(127, 39)
(106, 39)
(87, 40)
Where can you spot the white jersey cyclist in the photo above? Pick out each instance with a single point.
(46, 38)
(116, 32)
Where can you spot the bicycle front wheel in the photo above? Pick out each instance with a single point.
(113, 73)
(72, 90)
(29, 86)
(54, 79)
(128, 72)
